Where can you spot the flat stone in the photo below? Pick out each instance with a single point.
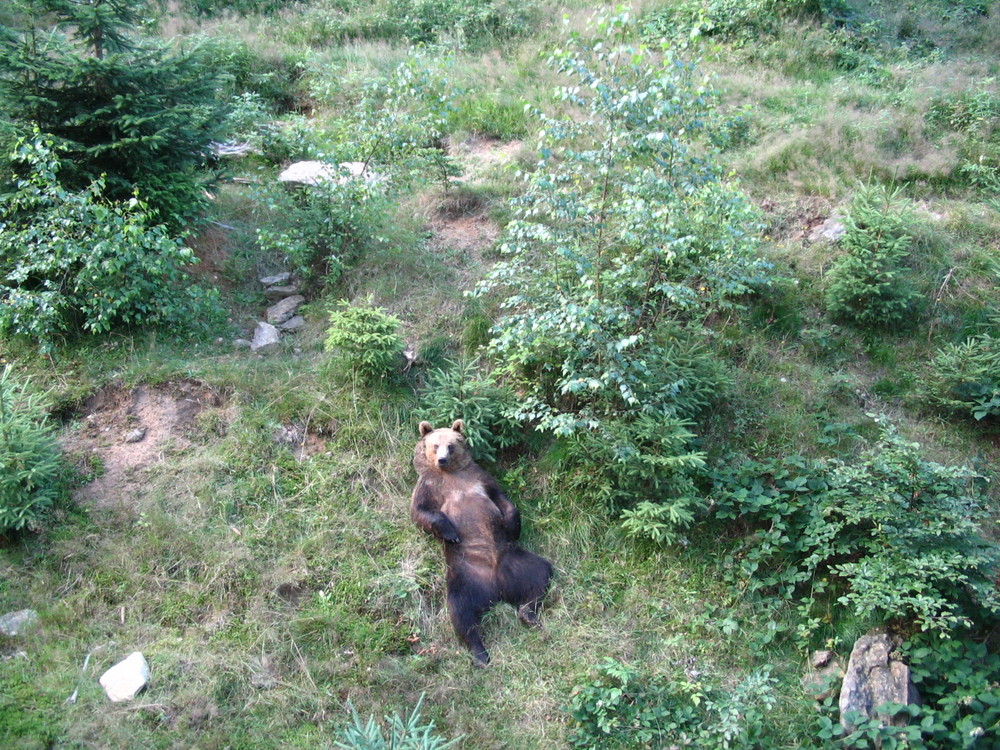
(293, 324)
(280, 292)
(265, 338)
(136, 436)
(242, 343)
(282, 311)
(126, 678)
(309, 173)
(15, 623)
(277, 279)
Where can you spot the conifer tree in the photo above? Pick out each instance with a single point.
(117, 104)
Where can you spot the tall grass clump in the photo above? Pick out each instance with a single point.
(30, 463)
(965, 377)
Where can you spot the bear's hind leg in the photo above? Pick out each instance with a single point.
(466, 618)
(524, 581)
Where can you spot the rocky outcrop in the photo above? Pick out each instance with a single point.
(874, 677)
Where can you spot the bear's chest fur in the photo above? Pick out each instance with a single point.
(476, 517)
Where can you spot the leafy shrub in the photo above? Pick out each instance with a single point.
(320, 230)
(868, 285)
(461, 392)
(742, 20)
(365, 339)
(30, 464)
(623, 708)
(404, 733)
(966, 377)
(891, 535)
(473, 24)
(623, 227)
(959, 684)
(71, 260)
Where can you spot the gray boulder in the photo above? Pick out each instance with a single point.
(15, 623)
(280, 292)
(293, 324)
(265, 337)
(281, 311)
(875, 677)
(277, 279)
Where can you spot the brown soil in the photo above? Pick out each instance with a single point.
(165, 417)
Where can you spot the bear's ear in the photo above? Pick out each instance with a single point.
(458, 426)
(425, 429)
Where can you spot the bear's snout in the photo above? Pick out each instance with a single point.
(443, 454)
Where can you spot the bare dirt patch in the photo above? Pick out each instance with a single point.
(461, 227)
(125, 431)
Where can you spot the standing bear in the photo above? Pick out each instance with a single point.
(459, 503)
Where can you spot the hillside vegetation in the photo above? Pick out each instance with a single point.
(713, 284)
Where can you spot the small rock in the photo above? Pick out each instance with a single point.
(830, 230)
(241, 343)
(15, 623)
(276, 280)
(293, 324)
(280, 292)
(126, 678)
(823, 675)
(821, 658)
(265, 337)
(136, 435)
(285, 309)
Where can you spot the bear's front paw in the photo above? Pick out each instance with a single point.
(452, 539)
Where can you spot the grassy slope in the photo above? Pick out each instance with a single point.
(269, 592)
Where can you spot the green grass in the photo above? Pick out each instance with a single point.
(270, 589)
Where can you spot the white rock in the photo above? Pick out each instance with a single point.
(311, 173)
(265, 337)
(136, 436)
(308, 173)
(126, 678)
(15, 623)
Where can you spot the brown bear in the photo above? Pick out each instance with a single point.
(459, 503)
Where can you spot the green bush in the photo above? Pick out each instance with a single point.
(741, 20)
(72, 260)
(625, 227)
(365, 339)
(404, 733)
(966, 377)
(869, 285)
(319, 231)
(475, 24)
(892, 536)
(624, 708)
(30, 463)
(462, 392)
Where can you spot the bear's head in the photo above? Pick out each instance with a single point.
(443, 449)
